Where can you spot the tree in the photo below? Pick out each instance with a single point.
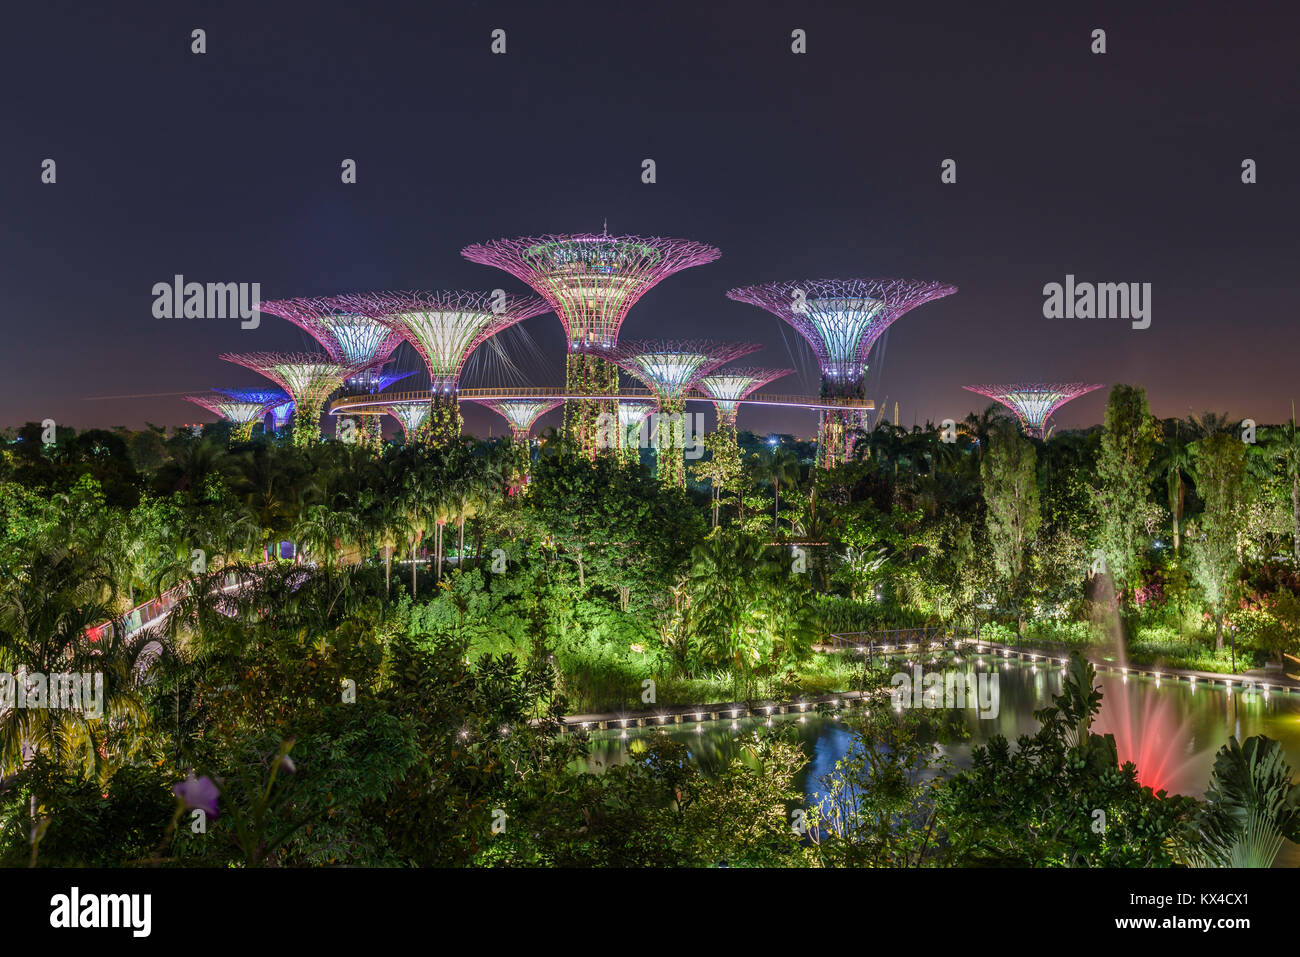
(1173, 461)
(1120, 497)
(1251, 807)
(1220, 474)
(778, 467)
(1012, 515)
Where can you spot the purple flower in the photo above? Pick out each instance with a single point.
(198, 793)
(287, 765)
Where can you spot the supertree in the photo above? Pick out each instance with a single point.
(368, 382)
(520, 413)
(590, 281)
(271, 400)
(670, 369)
(1033, 402)
(411, 416)
(343, 325)
(841, 319)
(306, 376)
(242, 414)
(727, 387)
(280, 415)
(444, 328)
(631, 413)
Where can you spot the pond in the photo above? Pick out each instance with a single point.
(1169, 729)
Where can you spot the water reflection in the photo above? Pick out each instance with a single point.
(1170, 729)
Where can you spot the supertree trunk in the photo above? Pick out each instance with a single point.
(588, 374)
(306, 424)
(831, 449)
(670, 443)
(444, 422)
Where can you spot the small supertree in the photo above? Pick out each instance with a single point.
(727, 387)
(274, 401)
(841, 319)
(241, 414)
(1033, 402)
(520, 413)
(444, 328)
(631, 414)
(308, 377)
(280, 414)
(590, 281)
(368, 382)
(670, 369)
(411, 416)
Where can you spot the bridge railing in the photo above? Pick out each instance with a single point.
(370, 400)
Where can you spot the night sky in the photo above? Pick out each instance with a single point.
(225, 167)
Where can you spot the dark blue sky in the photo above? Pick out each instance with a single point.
(225, 167)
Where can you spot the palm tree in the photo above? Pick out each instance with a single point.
(48, 601)
(1251, 807)
(777, 467)
(1173, 459)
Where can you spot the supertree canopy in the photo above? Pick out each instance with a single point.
(343, 325)
(727, 387)
(444, 328)
(1033, 402)
(591, 281)
(308, 377)
(520, 413)
(670, 369)
(242, 413)
(841, 319)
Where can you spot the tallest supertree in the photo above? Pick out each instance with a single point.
(841, 319)
(591, 281)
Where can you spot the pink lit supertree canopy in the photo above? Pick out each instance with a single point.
(1033, 402)
(670, 369)
(591, 281)
(444, 328)
(841, 319)
(520, 413)
(342, 326)
(308, 377)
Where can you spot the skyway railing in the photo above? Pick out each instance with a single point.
(367, 404)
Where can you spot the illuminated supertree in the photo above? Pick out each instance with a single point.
(444, 328)
(308, 377)
(590, 281)
(243, 415)
(727, 387)
(841, 319)
(280, 415)
(271, 401)
(343, 325)
(1033, 402)
(520, 413)
(368, 382)
(670, 369)
(631, 414)
(411, 416)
